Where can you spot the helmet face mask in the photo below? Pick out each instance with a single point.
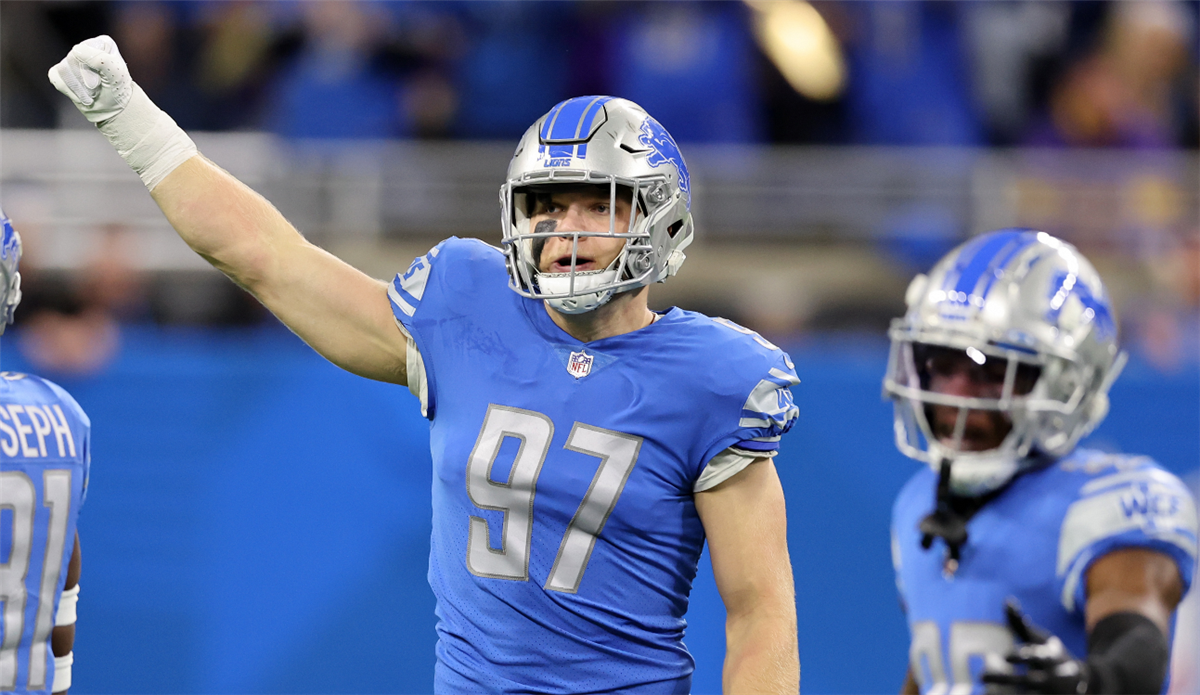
(10, 278)
(614, 145)
(1031, 320)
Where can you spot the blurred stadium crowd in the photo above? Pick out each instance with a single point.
(1080, 74)
(1035, 88)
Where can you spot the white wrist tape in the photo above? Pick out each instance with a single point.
(62, 672)
(66, 606)
(148, 139)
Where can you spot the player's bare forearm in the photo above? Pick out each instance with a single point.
(910, 686)
(746, 524)
(761, 653)
(223, 220)
(1133, 580)
(342, 313)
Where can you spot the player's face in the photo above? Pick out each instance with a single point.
(954, 373)
(582, 209)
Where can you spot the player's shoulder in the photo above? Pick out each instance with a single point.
(21, 388)
(456, 267)
(735, 360)
(740, 351)
(1111, 493)
(742, 373)
(1121, 501)
(1088, 472)
(458, 251)
(455, 253)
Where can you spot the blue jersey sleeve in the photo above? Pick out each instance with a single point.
(1142, 506)
(770, 409)
(764, 374)
(422, 294)
(408, 289)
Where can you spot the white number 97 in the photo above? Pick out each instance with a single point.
(514, 497)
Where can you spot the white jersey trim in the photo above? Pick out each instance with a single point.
(1150, 501)
(399, 301)
(763, 400)
(725, 465)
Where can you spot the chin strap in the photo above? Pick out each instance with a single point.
(944, 522)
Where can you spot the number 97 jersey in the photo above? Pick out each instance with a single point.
(44, 460)
(565, 532)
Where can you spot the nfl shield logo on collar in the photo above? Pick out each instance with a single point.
(579, 365)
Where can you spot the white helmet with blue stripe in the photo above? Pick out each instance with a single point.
(10, 279)
(1032, 305)
(615, 143)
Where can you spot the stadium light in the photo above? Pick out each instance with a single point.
(798, 41)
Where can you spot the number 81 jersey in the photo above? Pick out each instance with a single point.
(44, 461)
(565, 533)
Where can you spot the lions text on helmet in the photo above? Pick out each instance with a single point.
(624, 172)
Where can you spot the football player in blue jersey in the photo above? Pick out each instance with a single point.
(585, 447)
(1025, 563)
(44, 463)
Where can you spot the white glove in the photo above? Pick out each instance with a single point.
(97, 80)
(95, 77)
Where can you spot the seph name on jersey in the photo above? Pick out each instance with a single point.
(35, 431)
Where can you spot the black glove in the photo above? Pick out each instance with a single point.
(1042, 663)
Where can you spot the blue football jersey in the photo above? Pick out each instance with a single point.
(565, 534)
(44, 460)
(1035, 542)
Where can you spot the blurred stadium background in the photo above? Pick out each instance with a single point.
(258, 520)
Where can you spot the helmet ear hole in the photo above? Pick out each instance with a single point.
(674, 228)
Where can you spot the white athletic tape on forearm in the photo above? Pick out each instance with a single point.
(148, 139)
(66, 606)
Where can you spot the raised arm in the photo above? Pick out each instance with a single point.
(342, 313)
(746, 525)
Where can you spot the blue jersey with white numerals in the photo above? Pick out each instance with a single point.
(565, 535)
(1035, 542)
(44, 461)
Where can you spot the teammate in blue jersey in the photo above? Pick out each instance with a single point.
(1024, 563)
(585, 447)
(44, 461)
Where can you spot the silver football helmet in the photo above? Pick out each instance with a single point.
(615, 143)
(1032, 306)
(10, 278)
